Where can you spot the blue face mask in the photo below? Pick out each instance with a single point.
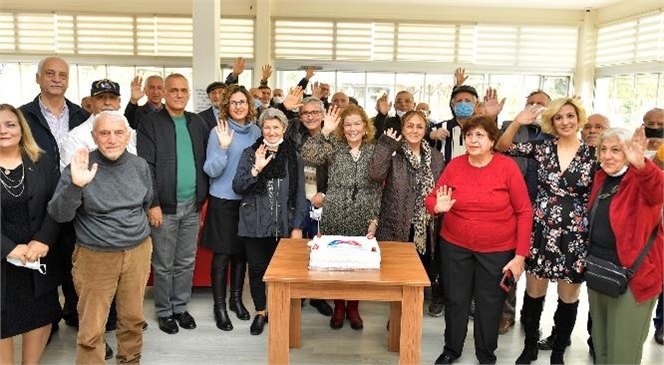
(463, 110)
(257, 103)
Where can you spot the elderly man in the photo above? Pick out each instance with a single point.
(597, 123)
(211, 115)
(403, 102)
(340, 99)
(50, 117)
(107, 193)
(154, 89)
(173, 142)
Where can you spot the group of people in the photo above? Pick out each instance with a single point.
(93, 200)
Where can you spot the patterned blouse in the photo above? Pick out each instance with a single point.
(352, 198)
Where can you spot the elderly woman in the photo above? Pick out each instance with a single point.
(236, 130)
(409, 169)
(485, 236)
(270, 179)
(352, 202)
(566, 166)
(29, 297)
(626, 207)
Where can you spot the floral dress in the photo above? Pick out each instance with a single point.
(559, 240)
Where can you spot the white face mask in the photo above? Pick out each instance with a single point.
(400, 113)
(272, 145)
(278, 99)
(35, 265)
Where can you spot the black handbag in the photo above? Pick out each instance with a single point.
(606, 277)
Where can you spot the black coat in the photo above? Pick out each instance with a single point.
(156, 143)
(41, 178)
(42, 132)
(208, 118)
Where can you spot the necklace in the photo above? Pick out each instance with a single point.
(608, 193)
(355, 154)
(12, 185)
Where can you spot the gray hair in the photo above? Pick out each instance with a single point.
(110, 114)
(40, 66)
(314, 100)
(273, 113)
(621, 134)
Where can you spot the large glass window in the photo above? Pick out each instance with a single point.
(624, 99)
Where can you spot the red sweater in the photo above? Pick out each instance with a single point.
(492, 211)
(634, 212)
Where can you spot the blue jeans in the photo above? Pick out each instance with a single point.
(173, 259)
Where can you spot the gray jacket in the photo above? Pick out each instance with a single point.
(256, 217)
(110, 213)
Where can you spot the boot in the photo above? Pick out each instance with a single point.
(530, 314)
(219, 274)
(353, 314)
(238, 269)
(564, 320)
(337, 320)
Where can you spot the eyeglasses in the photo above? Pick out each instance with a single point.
(238, 103)
(312, 113)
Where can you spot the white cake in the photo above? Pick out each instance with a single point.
(344, 253)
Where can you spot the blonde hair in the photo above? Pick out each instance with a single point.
(369, 128)
(555, 106)
(27, 144)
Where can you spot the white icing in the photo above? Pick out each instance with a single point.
(344, 253)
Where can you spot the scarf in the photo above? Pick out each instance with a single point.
(276, 169)
(423, 185)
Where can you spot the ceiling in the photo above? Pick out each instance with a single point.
(184, 6)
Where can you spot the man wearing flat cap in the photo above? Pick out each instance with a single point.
(463, 102)
(211, 115)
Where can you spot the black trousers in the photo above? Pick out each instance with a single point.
(259, 253)
(467, 274)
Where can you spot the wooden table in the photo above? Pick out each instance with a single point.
(400, 281)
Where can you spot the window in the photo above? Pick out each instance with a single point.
(628, 42)
(624, 99)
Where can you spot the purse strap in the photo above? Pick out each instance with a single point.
(632, 270)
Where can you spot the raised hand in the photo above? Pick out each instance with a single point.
(316, 91)
(223, 135)
(238, 66)
(294, 98)
(261, 160)
(635, 150)
(444, 201)
(136, 89)
(439, 134)
(529, 114)
(392, 134)
(382, 105)
(311, 71)
(491, 105)
(267, 72)
(460, 76)
(331, 120)
(81, 175)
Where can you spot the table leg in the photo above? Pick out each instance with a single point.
(278, 303)
(395, 327)
(295, 322)
(411, 325)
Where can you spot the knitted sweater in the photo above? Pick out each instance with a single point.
(110, 213)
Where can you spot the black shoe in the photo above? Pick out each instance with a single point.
(72, 322)
(435, 310)
(322, 306)
(235, 305)
(221, 318)
(444, 358)
(185, 320)
(659, 336)
(258, 324)
(109, 352)
(168, 325)
(547, 343)
(145, 326)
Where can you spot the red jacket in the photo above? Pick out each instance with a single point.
(634, 212)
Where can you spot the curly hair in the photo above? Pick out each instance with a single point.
(555, 106)
(224, 105)
(369, 128)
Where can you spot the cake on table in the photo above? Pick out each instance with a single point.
(344, 253)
